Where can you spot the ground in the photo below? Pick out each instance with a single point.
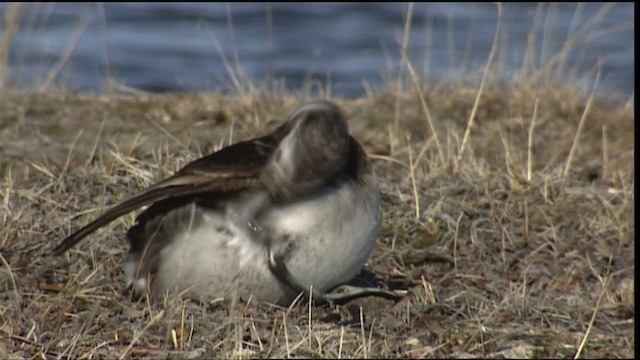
(516, 242)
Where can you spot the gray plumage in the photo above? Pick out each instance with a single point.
(304, 194)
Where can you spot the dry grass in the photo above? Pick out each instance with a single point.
(541, 262)
(508, 217)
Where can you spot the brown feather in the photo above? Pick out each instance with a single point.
(233, 168)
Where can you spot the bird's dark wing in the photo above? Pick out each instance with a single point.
(233, 168)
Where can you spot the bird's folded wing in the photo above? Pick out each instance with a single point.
(233, 168)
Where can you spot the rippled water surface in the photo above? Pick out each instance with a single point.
(347, 47)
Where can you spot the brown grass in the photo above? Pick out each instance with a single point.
(508, 218)
(542, 264)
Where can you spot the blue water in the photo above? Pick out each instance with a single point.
(345, 47)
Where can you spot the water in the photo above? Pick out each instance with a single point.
(346, 47)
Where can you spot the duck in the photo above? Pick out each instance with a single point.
(296, 211)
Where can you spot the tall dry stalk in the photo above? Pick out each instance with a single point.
(10, 23)
(472, 117)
